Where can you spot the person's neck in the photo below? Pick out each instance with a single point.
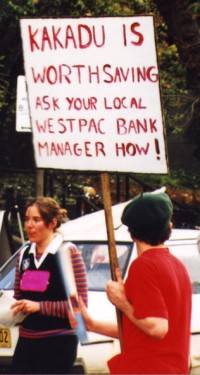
(41, 246)
(143, 246)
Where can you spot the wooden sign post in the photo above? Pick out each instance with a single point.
(105, 184)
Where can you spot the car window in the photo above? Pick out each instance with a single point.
(190, 256)
(7, 282)
(7, 275)
(193, 266)
(96, 258)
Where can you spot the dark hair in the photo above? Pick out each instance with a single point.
(153, 236)
(48, 209)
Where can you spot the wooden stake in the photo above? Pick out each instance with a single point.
(111, 239)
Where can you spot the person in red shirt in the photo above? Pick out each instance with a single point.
(155, 299)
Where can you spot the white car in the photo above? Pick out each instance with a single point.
(90, 235)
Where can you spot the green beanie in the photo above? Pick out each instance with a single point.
(148, 211)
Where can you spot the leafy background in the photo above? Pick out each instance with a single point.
(178, 39)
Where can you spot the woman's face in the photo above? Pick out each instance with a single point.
(37, 230)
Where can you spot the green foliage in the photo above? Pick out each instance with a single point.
(3, 82)
(176, 179)
(176, 97)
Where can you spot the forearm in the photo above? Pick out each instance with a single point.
(57, 309)
(104, 328)
(17, 293)
(80, 274)
(152, 326)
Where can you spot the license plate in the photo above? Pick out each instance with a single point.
(5, 338)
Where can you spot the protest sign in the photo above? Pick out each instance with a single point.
(94, 97)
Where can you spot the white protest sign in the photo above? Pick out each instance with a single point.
(22, 111)
(94, 94)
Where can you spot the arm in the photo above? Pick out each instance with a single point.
(152, 326)
(80, 273)
(17, 293)
(103, 328)
(57, 309)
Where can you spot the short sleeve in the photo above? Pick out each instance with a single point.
(143, 291)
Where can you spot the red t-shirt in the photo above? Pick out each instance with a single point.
(157, 285)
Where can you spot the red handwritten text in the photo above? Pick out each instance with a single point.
(87, 149)
(135, 126)
(70, 74)
(70, 125)
(131, 149)
(53, 38)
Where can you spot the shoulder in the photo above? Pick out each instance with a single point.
(23, 249)
(142, 266)
(141, 262)
(72, 248)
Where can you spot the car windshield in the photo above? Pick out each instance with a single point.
(96, 258)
